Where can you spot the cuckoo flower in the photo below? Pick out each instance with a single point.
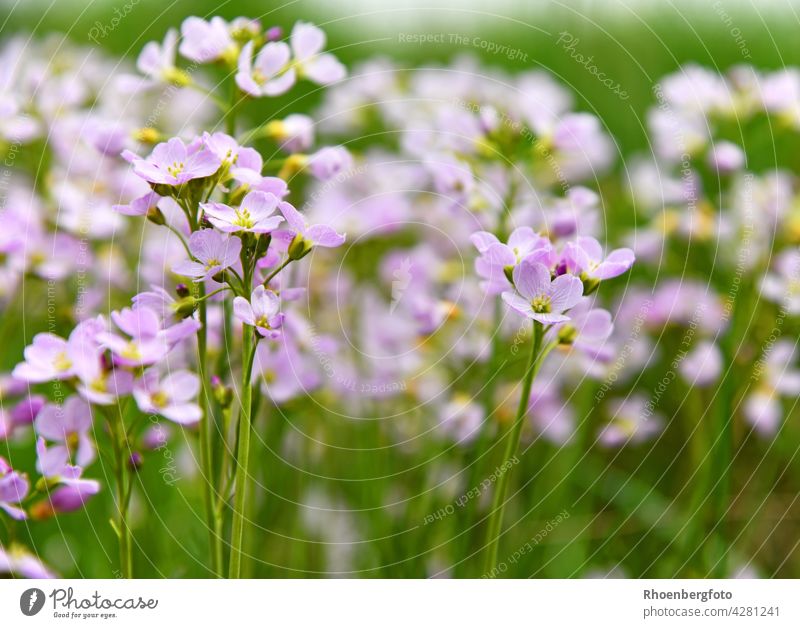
(69, 425)
(141, 206)
(142, 343)
(205, 41)
(18, 561)
(213, 251)
(632, 422)
(782, 286)
(13, 489)
(703, 365)
(295, 132)
(260, 312)
(540, 298)
(777, 377)
(173, 163)
(48, 358)
(255, 214)
(588, 331)
(171, 397)
(304, 236)
(243, 163)
(328, 162)
(72, 491)
(269, 74)
(307, 43)
(585, 258)
(497, 260)
(157, 61)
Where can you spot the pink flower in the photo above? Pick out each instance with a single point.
(270, 74)
(244, 163)
(307, 43)
(538, 297)
(632, 422)
(145, 341)
(46, 359)
(255, 214)
(173, 163)
(585, 258)
(204, 41)
(498, 259)
(328, 162)
(213, 251)
(141, 206)
(777, 377)
(13, 489)
(306, 236)
(18, 561)
(260, 312)
(171, 397)
(68, 425)
(157, 61)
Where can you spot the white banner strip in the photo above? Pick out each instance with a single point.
(401, 603)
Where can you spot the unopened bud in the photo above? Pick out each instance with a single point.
(147, 135)
(156, 216)
(590, 284)
(222, 393)
(185, 307)
(177, 77)
(299, 247)
(135, 461)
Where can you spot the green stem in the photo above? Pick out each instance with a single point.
(207, 438)
(272, 275)
(117, 430)
(242, 455)
(499, 501)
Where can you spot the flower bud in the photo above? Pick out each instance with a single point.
(590, 284)
(222, 393)
(567, 335)
(156, 216)
(147, 135)
(182, 290)
(135, 461)
(299, 247)
(185, 307)
(177, 77)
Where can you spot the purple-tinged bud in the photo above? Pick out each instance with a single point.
(274, 33)
(67, 498)
(135, 461)
(26, 410)
(182, 290)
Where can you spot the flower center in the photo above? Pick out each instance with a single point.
(131, 351)
(176, 168)
(159, 399)
(262, 321)
(243, 218)
(258, 77)
(212, 262)
(99, 385)
(541, 304)
(62, 362)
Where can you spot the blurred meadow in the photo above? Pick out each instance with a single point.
(347, 500)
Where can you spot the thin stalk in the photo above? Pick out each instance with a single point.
(242, 455)
(122, 495)
(207, 430)
(498, 502)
